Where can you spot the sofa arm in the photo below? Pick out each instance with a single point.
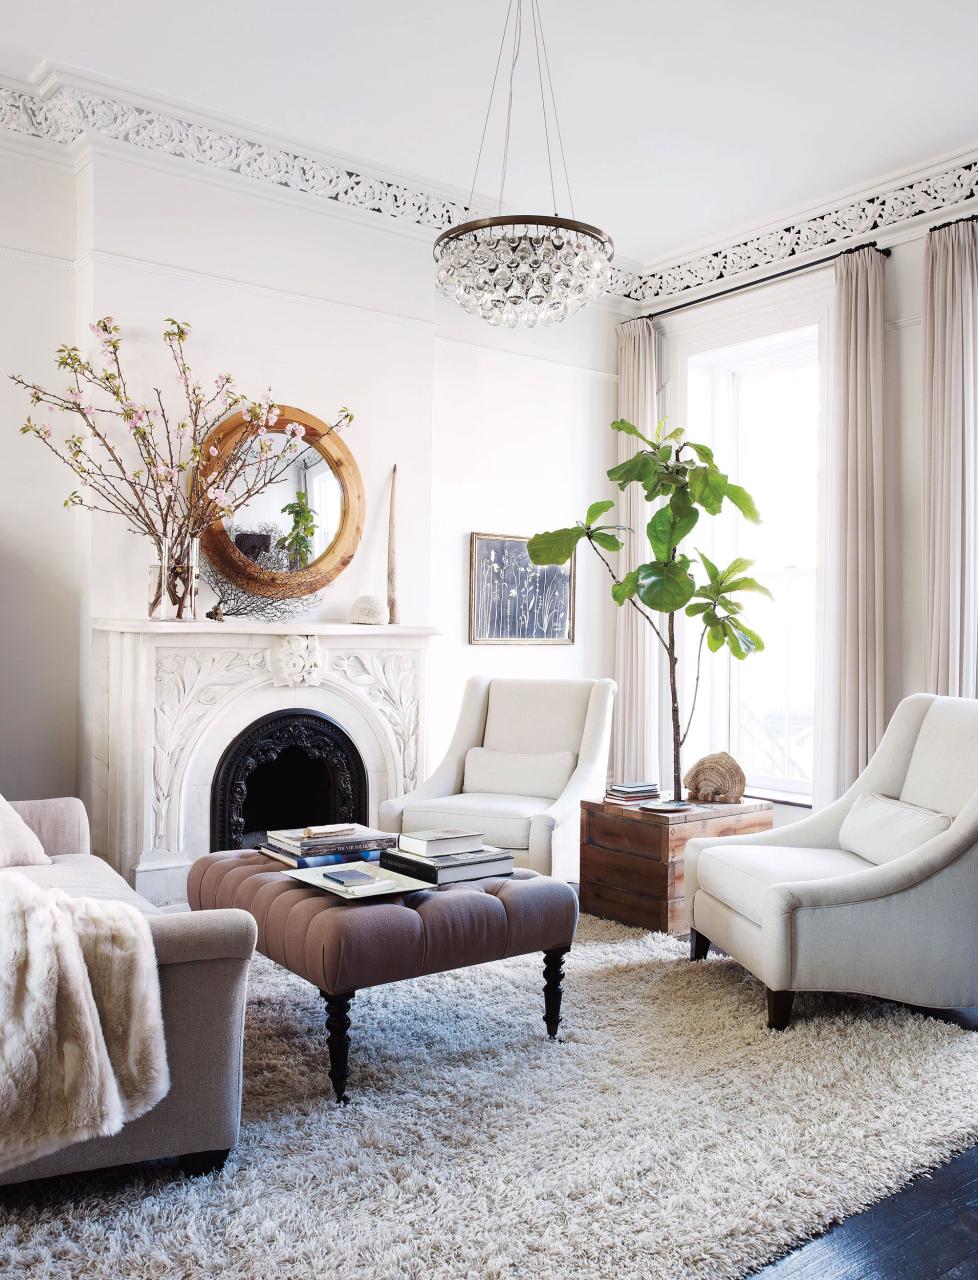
(61, 825)
(185, 936)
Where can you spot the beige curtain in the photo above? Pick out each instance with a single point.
(636, 756)
(849, 702)
(950, 469)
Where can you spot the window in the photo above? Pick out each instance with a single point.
(758, 403)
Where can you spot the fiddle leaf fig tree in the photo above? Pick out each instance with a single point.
(680, 480)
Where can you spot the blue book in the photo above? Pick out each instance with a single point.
(300, 863)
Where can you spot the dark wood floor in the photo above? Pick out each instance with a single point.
(927, 1231)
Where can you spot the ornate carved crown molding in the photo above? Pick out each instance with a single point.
(69, 113)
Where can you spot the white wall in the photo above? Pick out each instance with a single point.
(490, 431)
(38, 571)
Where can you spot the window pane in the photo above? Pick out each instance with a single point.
(758, 403)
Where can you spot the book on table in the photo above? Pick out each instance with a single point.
(445, 840)
(451, 868)
(354, 838)
(320, 859)
(377, 883)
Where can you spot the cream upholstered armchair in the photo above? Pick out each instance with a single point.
(525, 753)
(876, 894)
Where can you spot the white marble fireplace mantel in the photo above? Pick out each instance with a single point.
(167, 699)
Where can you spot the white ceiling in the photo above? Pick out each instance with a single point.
(684, 122)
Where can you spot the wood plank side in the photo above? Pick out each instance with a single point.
(734, 825)
(627, 834)
(625, 907)
(624, 870)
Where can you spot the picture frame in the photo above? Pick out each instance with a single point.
(512, 600)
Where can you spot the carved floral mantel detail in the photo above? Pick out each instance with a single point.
(297, 660)
(70, 113)
(190, 684)
(389, 681)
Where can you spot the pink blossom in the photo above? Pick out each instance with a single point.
(75, 395)
(273, 415)
(262, 431)
(213, 450)
(44, 432)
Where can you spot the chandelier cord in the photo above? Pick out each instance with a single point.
(553, 99)
(492, 94)
(517, 42)
(543, 102)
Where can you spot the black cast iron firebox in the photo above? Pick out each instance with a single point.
(289, 769)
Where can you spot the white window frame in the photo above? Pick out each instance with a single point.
(783, 305)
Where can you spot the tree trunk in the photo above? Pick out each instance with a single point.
(677, 788)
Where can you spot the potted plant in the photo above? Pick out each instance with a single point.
(680, 479)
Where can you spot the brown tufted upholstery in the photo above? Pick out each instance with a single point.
(344, 946)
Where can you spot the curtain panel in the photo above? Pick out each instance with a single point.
(950, 470)
(635, 754)
(849, 705)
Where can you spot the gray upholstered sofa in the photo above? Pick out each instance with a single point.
(203, 961)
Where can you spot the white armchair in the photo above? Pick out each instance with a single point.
(525, 753)
(877, 894)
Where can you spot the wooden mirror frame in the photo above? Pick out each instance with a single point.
(281, 583)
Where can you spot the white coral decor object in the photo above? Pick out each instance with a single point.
(369, 611)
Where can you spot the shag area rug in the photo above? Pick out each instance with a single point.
(670, 1135)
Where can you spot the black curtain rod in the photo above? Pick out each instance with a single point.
(971, 217)
(754, 284)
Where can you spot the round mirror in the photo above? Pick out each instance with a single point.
(296, 535)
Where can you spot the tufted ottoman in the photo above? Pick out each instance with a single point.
(342, 946)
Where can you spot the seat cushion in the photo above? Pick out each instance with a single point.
(502, 820)
(740, 874)
(512, 772)
(879, 828)
(82, 875)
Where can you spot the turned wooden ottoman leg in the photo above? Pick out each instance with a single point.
(553, 988)
(338, 1031)
(699, 945)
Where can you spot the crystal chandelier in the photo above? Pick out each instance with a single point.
(524, 269)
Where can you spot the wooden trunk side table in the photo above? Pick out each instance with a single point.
(632, 860)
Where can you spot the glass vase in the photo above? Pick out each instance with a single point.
(185, 577)
(159, 582)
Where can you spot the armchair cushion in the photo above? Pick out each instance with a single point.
(516, 772)
(739, 875)
(879, 828)
(501, 819)
(19, 846)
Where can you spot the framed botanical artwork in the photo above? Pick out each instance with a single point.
(514, 601)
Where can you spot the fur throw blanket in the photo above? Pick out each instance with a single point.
(81, 1028)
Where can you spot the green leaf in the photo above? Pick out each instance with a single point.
(707, 487)
(668, 527)
(735, 567)
(743, 502)
(625, 589)
(627, 429)
(597, 509)
(555, 547)
(665, 587)
(713, 573)
(640, 467)
(701, 606)
(702, 452)
(607, 540)
(715, 639)
(741, 641)
(747, 584)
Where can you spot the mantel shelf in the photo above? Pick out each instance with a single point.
(241, 626)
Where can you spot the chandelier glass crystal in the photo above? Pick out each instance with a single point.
(524, 269)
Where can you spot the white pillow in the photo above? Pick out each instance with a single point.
(879, 828)
(19, 846)
(518, 773)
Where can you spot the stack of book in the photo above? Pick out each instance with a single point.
(632, 794)
(302, 847)
(446, 857)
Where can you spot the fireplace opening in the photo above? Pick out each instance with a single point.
(289, 769)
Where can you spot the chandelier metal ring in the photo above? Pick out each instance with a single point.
(522, 220)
